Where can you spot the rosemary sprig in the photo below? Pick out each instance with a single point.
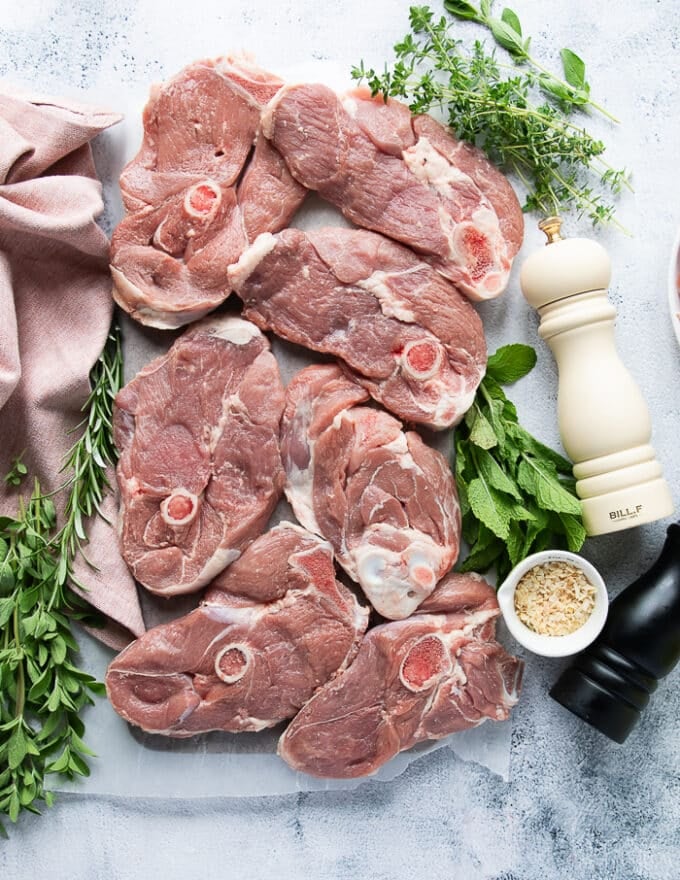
(560, 164)
(42, 690)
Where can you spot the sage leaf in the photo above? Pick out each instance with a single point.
(16, 751)
(463, 10)
(510, 18)
(509, 39)
(574, 68)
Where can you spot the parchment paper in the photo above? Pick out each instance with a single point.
(135, 764)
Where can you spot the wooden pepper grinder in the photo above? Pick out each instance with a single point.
(603, 419)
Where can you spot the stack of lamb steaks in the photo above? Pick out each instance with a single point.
(391, 648)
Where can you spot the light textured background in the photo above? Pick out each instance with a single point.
(577, 806)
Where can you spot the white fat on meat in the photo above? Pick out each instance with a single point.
(249, 260)
(234, 330)
(390, 304)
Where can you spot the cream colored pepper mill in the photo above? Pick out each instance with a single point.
(603, 419)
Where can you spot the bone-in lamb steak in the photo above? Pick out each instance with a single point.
(385, 501)
(439, 672)
(405, 333)
(272, 628)
(188, 219)
(405, 177)
(200, 469)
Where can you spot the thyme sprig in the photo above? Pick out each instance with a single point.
(42, 690)
(559, 163)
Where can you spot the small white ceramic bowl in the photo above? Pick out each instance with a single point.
(554, 646)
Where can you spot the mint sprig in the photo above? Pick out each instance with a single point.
(516, 494)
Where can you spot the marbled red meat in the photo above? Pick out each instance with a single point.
(384, 499)
(403, 331)
(187, 219)
(439, 672)
(272, 629)
(200, 469)
(405, 177)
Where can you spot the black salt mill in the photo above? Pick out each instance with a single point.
(610, 683)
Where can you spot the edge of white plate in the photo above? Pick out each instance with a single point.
(673, 290)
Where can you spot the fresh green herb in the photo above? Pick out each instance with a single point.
(571, 92)
(517, 495)
(42, 690)
(559, 163)
(17, 472)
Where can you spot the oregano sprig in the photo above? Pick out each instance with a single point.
(516, 494)
(42, 689)
(522, 117)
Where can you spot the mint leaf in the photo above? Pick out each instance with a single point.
(494, 474)
(539, 479)
(515, 543)
(574, 531)
(510, 363)
(489, 507)
(482, 558)
(482, 433)
(529, 444)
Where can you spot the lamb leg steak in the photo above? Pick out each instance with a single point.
(189, 215)
(439, 672)
(384, 499)
(404, 332)
(200, 470)
(272, 628)
(403, 176)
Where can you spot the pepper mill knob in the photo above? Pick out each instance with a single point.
(603, 419)
(552, 227)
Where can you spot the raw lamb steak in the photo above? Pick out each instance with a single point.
(404, 176)
(200, 469)
(385, 501)
(405, 333)
(439, 672)
(187, 218)
(272, 628)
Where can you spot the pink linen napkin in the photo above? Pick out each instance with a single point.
(55, 312)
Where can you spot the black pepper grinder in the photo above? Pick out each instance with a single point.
(610, 683)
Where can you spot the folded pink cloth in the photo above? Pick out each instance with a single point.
(55, 312)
